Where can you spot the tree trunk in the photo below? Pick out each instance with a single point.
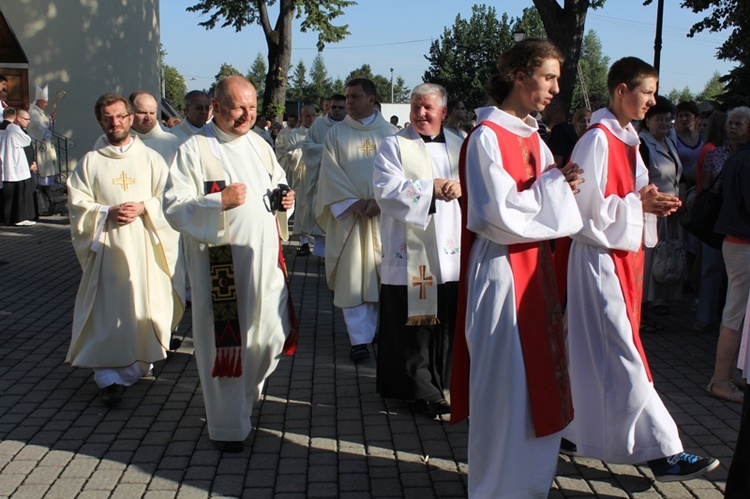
(279, 40)
(565, 28)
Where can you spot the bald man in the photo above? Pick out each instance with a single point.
(219, 196)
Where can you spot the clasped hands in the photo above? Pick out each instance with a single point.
(446, 190)
(125, 213)
(366, 208)
(572, 173)
(658, 203)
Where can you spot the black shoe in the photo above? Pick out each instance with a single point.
(112, 395)
(229, 446)
(432, 409)
(304, 250)
(360, 353)
(568, 448)
(681, 467)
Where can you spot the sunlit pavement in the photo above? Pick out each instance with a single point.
(321, 429)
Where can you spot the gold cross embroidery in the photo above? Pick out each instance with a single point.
(422, 282)
(123, 180)
(367, 147)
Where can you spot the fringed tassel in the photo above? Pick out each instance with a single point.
(423, 320)
(228, 363)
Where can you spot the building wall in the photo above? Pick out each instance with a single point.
(87, 48)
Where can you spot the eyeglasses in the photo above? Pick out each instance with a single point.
(338, 107)
(111, 119)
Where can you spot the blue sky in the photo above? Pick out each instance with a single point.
(397, 34)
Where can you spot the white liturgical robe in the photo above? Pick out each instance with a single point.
(184, 130)
(40, 129)
(128, 301)
(260, 283)
(307, 195)
(619, 416)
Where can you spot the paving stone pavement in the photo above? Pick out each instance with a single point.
(321, 429)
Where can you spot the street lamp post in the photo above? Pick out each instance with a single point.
(391, 85)
(519, 34)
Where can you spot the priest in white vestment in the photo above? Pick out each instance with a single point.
(348, 213)
(129, 298)
(40, 128)
(16, 184)
(515, 200)
(197, 106)
(307, 195)
(299, 170)
(219, 196)
(619, 416)
(283, 147)
(417, 188)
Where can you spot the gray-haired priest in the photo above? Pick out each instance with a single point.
(416, 186)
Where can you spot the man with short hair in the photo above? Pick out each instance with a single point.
(562, 135)
(3, 92)
(282, 145)
(129, 299)
(40, 129)
(312, 152)
(619, 416)
(146, 125)
(220, 197)
(308, 115)
(16, 184)
(455, 118)
(260, 129)
(349, 214)
(197, 106)
(416, 186)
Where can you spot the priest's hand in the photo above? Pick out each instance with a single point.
(446, 190)
(125, 213)
(572, 174)
(288, 201)
(373, 209)
(658, 203)
(359, 207)
(233, 196)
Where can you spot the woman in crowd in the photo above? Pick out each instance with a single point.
(712, 263)
(581, 119)
(689, 141)
(664, 170)
(734, 223)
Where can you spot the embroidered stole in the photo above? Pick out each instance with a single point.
(227, 333)
(422, 259)
(628, 264)
(541, 334)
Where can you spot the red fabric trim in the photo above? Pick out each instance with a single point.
(541, 334)
(628, 264)
(735, 240)
(290, 345)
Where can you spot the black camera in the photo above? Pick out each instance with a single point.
(277, 195)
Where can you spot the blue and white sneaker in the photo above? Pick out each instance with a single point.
(681, 467)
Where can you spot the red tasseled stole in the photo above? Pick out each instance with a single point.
(628, 264)
(290, 345)
(541, 334)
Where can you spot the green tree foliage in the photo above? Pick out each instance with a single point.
(298, 82)
(224, 71)
(174, 88)
(316, 15)
(320, 86)
(257, 74)
(383, 84)
(713, 90)
(676, 95)
(594, 67)
(565, 27)
(732, 15)
(465, 55)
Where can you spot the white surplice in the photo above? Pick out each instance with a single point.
(184, 130)
(40, 129)
(506, 459)
(129, 299)
(619, 417)
(307, 195)
(261, 287)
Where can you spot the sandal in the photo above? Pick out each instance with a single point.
(735, 394)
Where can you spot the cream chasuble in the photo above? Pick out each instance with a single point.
(353, 248)
(260, 284)
(40, 129)
(307, 195)
(157, 139)
(127, 304)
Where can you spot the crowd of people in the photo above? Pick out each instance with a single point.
(505, 277)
